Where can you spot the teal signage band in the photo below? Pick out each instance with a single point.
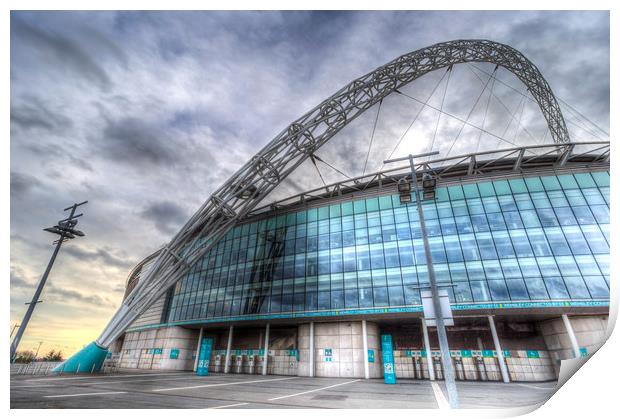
(174, 353)
(371, 355)
(204, 356)
(389, 376)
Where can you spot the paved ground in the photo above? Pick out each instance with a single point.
(186, 390)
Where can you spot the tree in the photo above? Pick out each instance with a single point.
(53, 356)
(24, 357)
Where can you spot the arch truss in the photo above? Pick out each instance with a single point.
(291, 147)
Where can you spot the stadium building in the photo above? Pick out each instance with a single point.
(306, 286)
(313, 281)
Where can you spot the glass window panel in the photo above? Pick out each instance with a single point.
(372, 204)
(448, 226)
(350, 280)
(363, 257)
(587, 265)
(534, 184)
(479, 291)
(385, 202)
(359, 207)
(492, 269)
(595, 239)
(475, 271)
(351, 298)
(376, 256)
(349, 259)
(348, 238)
(471, 190)
(393, 277)
(547, 217)
(459, 208)
(403, 231)
(311, 301)
(520, 243)
(444, 209)
(575, 240)
(463, 224)
(507, 203)
(597, 286)
(455, 192)
(557, 199)
(388, 232)
(603, 263)
(365, 299)
(469, 247)
(474, 206)
(510, 267)
(374, 219)
(517, 186)
(462, 293)
(486, 189)
(347, 208)
(539, 243)
(335, 240)
(530, 218)
(324, 300)
(409, 275)
(583, 215)
(323, 227)
(453, 249)
(380, 296)
(567, 266)
(584, 180)
(480, 223)
(364, 279)
(324, 262)
(498, 290)
(529, 267)
(513, 220)
(496, 221)
(601, 178)
(575, 197)
(601, 213)
(550, 183)
(502, 187)
(567, 181)
(524, 202)
(336, 260)
(391, 255)
(405, 249)
(536, 288)
(347, 223)
(593, 196)
(379, 278)
(396, 296)
(437, 249)
(323, 213)
(556, 240)
(361, 236)
(337, 299)
(503, 244)
(576, 287)
(556, 288)
(565, 216)
(324, 241)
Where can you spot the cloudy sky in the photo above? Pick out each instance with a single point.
(144, 114)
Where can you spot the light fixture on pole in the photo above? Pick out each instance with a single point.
(429, 183)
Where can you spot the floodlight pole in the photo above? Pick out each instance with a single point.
(35, 298)
(446, 360)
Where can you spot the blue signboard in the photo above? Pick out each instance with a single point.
(371, 355)
(389, 376)
(583, 352)
(204, 356)
(174, 353)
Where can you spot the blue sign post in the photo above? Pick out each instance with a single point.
(204, 356)
(389, 376)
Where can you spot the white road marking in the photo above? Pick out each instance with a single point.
(312, 391)
(85, 394)
(442, 403)
(101, 376)
(228, 405)
(192, 377)
(224, 384)
(536, 387)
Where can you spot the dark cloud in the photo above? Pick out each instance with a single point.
(33, 114)
(59, 51)
(135, 141)
(167, 216)
(22, 183)
(105, 256)
(56, 293)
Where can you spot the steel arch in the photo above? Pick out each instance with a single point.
(259, 176)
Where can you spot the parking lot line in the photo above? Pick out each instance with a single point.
(228, 405)
(442, 403)
(536, 387)
(224, 384)
(86, 383)
(85, 394)
(312, 391)
(102, 376)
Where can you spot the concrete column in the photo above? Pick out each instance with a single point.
(311, 349)
(571, 336)
(266, 358)
(429, 356)
(500, 353)
(228, 349)
(365, 354)
(198, 349)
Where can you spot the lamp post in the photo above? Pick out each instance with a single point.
(429, 184)
(66, 230)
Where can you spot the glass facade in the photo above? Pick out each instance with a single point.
(527, 239)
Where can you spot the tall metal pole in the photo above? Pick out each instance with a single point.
(64, 231)
(446, 360)
(35, 300)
